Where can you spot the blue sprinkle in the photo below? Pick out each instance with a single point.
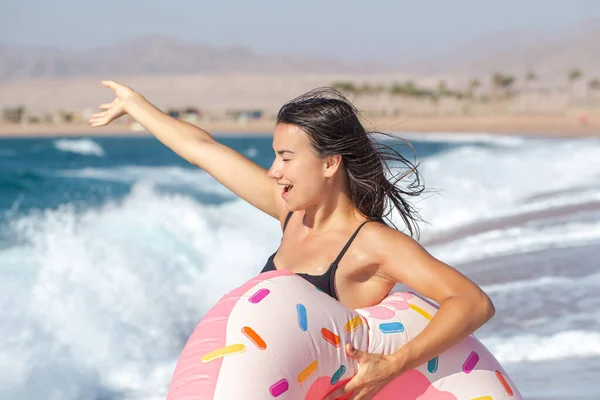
(391, 327)
(302, 319)
(338, 374)
(432, 365)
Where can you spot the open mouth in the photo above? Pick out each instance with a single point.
(286, 188)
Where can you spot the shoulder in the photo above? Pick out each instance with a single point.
(384, 242)
(378, 233)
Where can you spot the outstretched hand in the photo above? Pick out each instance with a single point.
(113, 110)
(375, 371)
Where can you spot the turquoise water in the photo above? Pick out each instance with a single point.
(112, 249)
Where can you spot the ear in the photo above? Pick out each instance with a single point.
(332, 164)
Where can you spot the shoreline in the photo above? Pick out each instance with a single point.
(533, 125)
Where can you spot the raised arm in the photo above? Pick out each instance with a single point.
(239, 174)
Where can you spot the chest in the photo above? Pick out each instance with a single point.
(315, 255)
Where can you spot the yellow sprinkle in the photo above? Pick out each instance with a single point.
(353, 324)
(483, 398)
(421, 311)
(223, 351)
(308, 371)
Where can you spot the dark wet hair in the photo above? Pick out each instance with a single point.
(333, 127)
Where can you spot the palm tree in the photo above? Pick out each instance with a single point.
(530, 76)
(473, 85)
(594, 85)
(344, 87)
(574, 75)
(397, 89)
(442, 88)
(501, 81)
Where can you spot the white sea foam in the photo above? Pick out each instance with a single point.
(193, 179)
(517, 240)
(80, 146)
(466, 138)
(561, 345)
(103, 300)
(98, 303)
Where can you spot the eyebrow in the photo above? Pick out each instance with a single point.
(280, 152)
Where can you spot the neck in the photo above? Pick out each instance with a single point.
(336, 209)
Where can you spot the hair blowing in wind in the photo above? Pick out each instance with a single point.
(332, 124)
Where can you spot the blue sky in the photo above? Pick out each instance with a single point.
(352, 30)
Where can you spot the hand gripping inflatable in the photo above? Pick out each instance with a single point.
(277, 336)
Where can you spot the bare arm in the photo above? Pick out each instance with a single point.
(464, 307)
(236, 172)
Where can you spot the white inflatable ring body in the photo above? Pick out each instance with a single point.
(277, 336)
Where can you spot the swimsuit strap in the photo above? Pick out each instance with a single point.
(287, 219)
(348, 243)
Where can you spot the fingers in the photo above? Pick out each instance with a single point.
(95, 122)
(99, 115)
(99, 119)
(105, 106)
(110, 84)
(355, 353)
(343, 392)
(339, 396)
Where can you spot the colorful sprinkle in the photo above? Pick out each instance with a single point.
(302, 318)
(391, 327)
(308, 371)
(353, 324)
(279, 388)
(432, 365)
(483, 398)
(470, 362)
(504, 383)
(330, 337)
(259, 295)
(338, 374)
(400, 305)
(222, 352)
(381, 312)
(421, 311)
(254, 337)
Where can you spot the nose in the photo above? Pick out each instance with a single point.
(274, 171)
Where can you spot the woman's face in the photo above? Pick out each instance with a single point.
(297, 168)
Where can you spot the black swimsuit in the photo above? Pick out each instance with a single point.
(325, 282)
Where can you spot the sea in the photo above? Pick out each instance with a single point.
(112, 249)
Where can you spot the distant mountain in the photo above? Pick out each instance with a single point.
(550, 57)
(160, 55)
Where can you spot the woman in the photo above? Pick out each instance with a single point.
(327, 187)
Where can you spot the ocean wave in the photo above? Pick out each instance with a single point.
(561, 345)
(468, 138)
(7, 153)
(518, 240)
(192, 178)
(80, 146)
(99, 302)
(531, 284)
(476, 184)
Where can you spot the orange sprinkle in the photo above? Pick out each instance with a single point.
(254, 337)
(308, 371)
(504, 383)
(330, 337)
(353, 324)
(421, 311)
(483, 398)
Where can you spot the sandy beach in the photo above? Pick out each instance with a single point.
(553, 125)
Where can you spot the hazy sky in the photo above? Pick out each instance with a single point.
(342, 29)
